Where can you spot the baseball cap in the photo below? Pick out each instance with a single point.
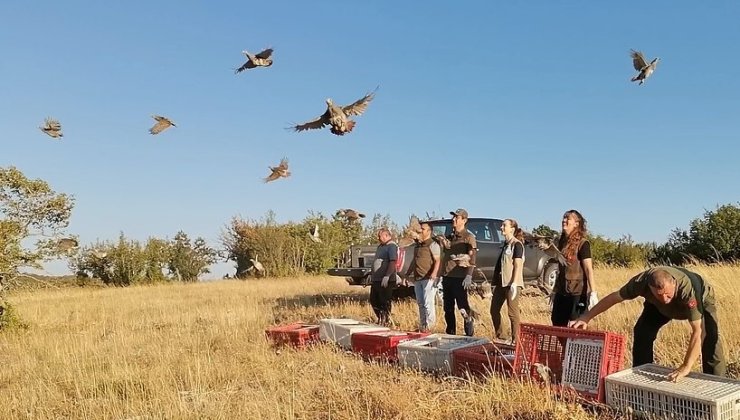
(460, 212)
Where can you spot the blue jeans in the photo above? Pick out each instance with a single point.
(425, 295)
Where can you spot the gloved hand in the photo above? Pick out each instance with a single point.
(593, 299)
(467, 282)
(436, 282)
(551, 299)
(384, 282)
(513, 291)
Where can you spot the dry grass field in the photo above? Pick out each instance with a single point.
(198, 351)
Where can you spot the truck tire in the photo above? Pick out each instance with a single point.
(549, 275)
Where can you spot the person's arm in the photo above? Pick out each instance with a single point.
(473, 252)
(587, 264)
(518, 253)
(392, 257)
(692, 353)
(603, 305)
(436, 254)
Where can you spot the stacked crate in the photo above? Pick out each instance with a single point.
(381, 344)
(340, 330)
(297, 334)
(645, 389)
(433, 353)
(570, 359)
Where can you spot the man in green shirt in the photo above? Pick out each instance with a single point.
(670, 293)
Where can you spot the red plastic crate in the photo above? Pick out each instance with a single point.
(484, 360)
(297, 334)
(592, 355)
(381, 344)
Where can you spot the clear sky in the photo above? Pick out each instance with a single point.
(508, 109)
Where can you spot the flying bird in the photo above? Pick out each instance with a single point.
(262, 59)
(641, 65)
(65, 244)
(546, 244)
(338, 116)
(314, 234)
(52, 128)
(161, 125)
(280, 171)
(350, 214)
(99, 254)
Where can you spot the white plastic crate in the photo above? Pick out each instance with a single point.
(433, 353)
(340, 330)
(582, 364)
(696, 396)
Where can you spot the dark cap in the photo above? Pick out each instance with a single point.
(460, 212)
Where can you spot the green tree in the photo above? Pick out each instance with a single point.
(188, 261)
(34, 217)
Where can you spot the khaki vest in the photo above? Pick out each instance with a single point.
(507, 265)
(423, 260)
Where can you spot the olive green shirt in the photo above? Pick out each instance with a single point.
(684, 305)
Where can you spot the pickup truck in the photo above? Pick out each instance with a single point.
(540, 270)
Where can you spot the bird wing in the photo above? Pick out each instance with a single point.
(265, 54)
(283, 164)
(248, 65)
(160, 126)
(65, 244)
(319, 122)
(359, 106)
(638, 60)
(274, 175)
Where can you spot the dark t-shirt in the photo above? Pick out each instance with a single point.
(517, 252)
(686, 304)
(561, 284)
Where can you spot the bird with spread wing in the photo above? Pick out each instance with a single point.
(280, 171)
(338, 116)
(261, 59)
(547, 244)
(52, 128)
(162, 124)
(350, 214)
(641, 65)
(314, 234)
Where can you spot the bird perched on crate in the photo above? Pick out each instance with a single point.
(162, 124)
(52, 128)
(544, 372)
(546, 244)
(337, 116)
(261, 59)
(350, 214)
(314, 234)
(280, 171)
(641, 65)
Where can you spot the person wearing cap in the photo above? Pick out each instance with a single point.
(457, 277)
(670, 293)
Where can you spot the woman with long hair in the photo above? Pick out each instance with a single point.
(508, 278)
(574, 290)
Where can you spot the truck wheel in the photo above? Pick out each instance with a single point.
(549, 276)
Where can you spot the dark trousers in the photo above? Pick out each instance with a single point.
(650, 322)
(453, 291)
(380, 300)
(501, 295)
(567, 308)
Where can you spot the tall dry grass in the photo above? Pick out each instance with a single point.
(198, 351)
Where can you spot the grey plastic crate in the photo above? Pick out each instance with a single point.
(697, 396)
(340, 330)
(433, 353)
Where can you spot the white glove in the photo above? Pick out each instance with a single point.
(384, 282)
(467, 282)
(513, 291)
(593, 299)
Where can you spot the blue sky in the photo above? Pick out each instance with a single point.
(522, 109)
